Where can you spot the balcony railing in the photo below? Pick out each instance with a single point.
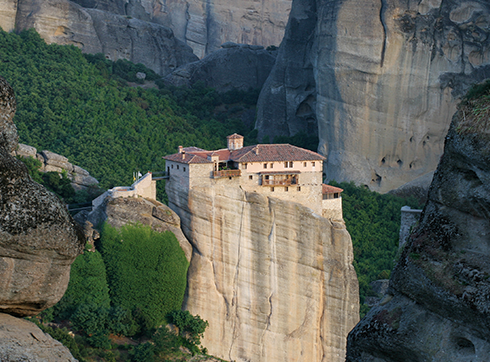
(227, 173)
(270, 182)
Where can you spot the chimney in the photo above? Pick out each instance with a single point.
(183, 154)
(181, 149)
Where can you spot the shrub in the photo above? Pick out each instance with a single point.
(190, 327)
(88, 285)
(146, 271)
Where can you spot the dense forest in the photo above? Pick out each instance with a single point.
(103, 118)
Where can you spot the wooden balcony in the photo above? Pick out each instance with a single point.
(227, 173)
(283, 182)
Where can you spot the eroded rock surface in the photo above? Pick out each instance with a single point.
(21, 340)
(38, 238)
(380, 79)
(438, 302)
(116, 35)
(205, 25)
(274, 280)
(52, 162)
(235, 66)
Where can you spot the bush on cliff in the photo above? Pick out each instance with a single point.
(88, 285)
(146, 271)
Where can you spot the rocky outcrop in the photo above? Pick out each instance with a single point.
(121, 211)
(38, 238)
(438, 302)
(274, 280)
(94, 31)
(52, 162)
(205, 25)
(235, 66)
(380, 81)
(21, 340)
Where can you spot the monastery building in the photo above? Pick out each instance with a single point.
(277, 170)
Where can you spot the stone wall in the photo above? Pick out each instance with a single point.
(332, 209)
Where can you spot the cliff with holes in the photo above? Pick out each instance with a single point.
(377, 80)
(274, 280)
(437, 306)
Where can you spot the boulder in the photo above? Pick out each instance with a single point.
(236, 66)
(21, 340)
(25, 151)
(38, 238)
(378, 82)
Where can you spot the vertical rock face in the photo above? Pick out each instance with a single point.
(38, 238)
(237, 66)
(95, 31)
(203, 24)
(274, 280)
(380, 79)
(439, 297)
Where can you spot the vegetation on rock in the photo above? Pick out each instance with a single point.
(146, 271)
(373, 221)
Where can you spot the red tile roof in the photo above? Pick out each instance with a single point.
(234, 136)
(327, 189)
(256, 153)
(274, 152)
(186, 158)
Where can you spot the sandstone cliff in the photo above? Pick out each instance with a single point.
(274, 280)
(38, 238)
(378, 80)
(95, 31)
(235, 66)
(438, 302)
(204, 25)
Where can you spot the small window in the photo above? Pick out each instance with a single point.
(272, 165)
(304, 164)
(244, 166)
(336, 196)
(265, 165)
(290, 164)
(250, 177)
(177, 167)
(272, 189)
(299, 188)
(286, 189)
(172, 166)
(229, 177)
(313, 164)
(286, 164)
(184, 169)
